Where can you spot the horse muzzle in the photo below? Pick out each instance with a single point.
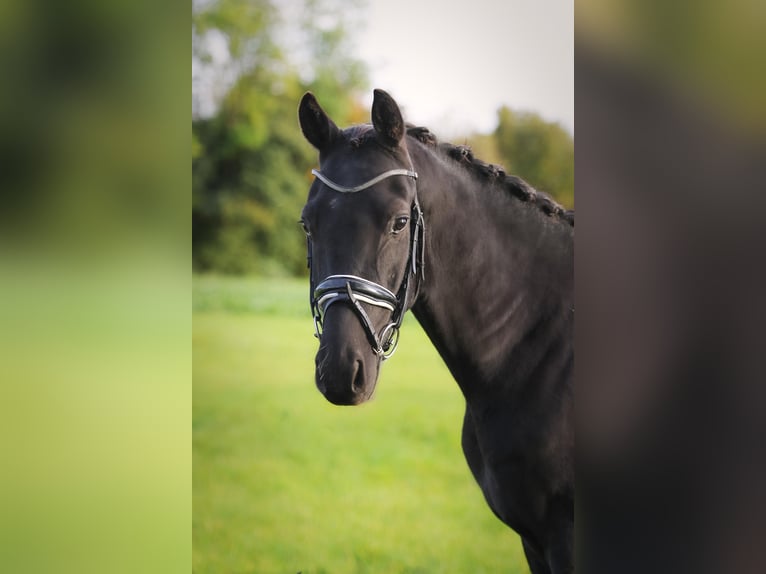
(346, 367)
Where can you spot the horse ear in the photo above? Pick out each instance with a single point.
(316, 125)
(387, 119)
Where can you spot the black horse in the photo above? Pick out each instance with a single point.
(397, 221)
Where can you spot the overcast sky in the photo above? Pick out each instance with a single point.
(451, 64)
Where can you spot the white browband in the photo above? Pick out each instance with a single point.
(373, 181)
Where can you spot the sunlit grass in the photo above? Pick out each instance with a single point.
(286, 482)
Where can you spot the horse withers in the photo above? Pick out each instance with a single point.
(395, 221)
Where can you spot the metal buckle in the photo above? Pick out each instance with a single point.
(392, 342)
(317, 327)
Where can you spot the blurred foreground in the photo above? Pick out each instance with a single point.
(671, 159)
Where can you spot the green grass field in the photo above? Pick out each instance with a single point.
(285, 482)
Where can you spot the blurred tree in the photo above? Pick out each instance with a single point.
(331, 71)
(230, 38)
(540, 152)
(250, 163)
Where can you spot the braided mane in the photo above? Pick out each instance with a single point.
(516, 186)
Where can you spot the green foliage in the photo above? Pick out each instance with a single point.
(250, 163)
(283, 481)
(540, 152)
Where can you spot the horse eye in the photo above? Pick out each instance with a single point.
(305, 228)
(399, 224)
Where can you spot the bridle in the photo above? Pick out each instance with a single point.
(357, 290)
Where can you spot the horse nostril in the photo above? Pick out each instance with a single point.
(358, 381)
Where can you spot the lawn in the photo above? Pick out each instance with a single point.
(285, 482)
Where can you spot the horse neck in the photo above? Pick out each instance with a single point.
(498, 280)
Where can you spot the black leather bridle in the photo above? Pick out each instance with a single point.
(358, 291)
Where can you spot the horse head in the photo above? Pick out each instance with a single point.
(364, 225)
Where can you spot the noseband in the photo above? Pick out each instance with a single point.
(357, 290)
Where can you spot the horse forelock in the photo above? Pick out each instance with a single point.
(358, 134)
